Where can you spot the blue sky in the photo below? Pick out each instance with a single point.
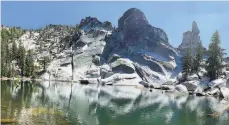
(173, 17)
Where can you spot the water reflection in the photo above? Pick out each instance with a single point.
(66, 103)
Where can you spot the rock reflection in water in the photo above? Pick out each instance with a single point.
(104, 105)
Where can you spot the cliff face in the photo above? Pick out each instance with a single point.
(93, 23)
(136, 35)
(133, 52)
(190, 39)
(135, 28)
(145, 45)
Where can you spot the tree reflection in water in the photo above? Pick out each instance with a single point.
(103, 105)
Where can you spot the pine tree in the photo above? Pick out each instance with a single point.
(29, 64)
(3, 56)
(21, 59)
(187, 62)
(9, 73)
(198, 58)
(14, 51)
(215, 59)
(77, 28)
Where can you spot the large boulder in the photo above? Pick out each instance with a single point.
(199, 90)
(181, 88)
(149, 75)
(213, 91)
(122, 65)
(217, 83)
(169, 64)
(144, 60)
(191, 85)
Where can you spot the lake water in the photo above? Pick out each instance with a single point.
(75, 104)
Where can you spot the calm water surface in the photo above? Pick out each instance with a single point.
(74, 104)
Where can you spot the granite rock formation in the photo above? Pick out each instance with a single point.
(190, 39)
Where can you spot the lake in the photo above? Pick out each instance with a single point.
(74, 104)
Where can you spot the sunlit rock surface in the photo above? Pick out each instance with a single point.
(191, 39)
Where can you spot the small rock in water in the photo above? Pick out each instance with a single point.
(200, 94)
(84, 82)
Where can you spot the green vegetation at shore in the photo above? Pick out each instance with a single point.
(16, 61)
(214, 63)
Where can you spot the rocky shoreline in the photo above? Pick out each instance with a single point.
(216, 88)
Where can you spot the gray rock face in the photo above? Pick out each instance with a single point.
(227, 85)
(105, 71)
(226, 60)
(113, 58)
(190, 39)
(136, 28)
(137, 40)
(195, 28)
(98, 44)
(93, 23)
(148, 75)
(132, 21)
(79, 44)
(93, 73)
(96, 60)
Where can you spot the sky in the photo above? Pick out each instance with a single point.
(174, 18)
